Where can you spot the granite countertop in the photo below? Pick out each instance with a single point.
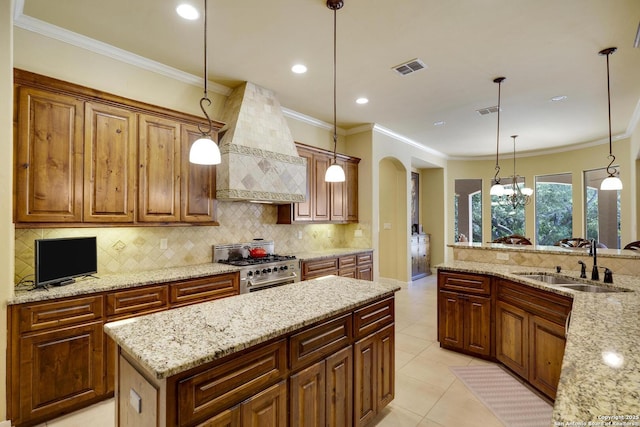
(171, 342)
(330, 253)
(600, 377)
(102, 283)
(554, 250)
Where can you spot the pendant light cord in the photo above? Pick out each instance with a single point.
(496, 178)
(206, 74)
(610, 170)
(335, 130)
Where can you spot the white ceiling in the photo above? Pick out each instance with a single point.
(544, 48)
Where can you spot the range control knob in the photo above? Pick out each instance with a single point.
(257, 272)
(250, 273)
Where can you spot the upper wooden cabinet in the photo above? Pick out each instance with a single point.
(84, 156)
(48, 156)
(335, 202)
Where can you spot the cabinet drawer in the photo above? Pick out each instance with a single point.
(45, 315)
(321, 267)
(373, 317)
(204, 289)
(319, 341)
(347, 261)
(212, 390)
(136, 301)
(364, 258)
(547, 305)
(464, 282)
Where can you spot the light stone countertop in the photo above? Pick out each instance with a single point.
(112, 282)
(170, 342)
(330, 253)
(600, 375)
(553, 250)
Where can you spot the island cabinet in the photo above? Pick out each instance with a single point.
(358, 265)
(530, 333)
(326, 202)
(59, 358)
(465, 313)
(336, 372)
(85, 156)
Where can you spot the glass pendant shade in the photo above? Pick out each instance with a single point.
(611, 183)
(205, 151)
(496, 190)
(335, 173)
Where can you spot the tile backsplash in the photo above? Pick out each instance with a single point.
(129, 249)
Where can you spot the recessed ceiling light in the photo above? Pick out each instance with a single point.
(440, 123)
(187, 11)
(559, 98)
(362, 100)
(299, 69)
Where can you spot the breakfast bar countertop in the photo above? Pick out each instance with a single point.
(600, 377)
(170, 342)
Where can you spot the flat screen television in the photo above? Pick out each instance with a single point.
(59, 261)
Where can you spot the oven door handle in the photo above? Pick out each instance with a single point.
(272, 281)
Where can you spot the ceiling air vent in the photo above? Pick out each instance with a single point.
(487, 110)
(409, 67)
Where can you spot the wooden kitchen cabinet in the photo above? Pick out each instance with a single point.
(464, 313)
(267, 408)
(110, 135)
(420, 259)
(48, 156)
(358, 265)
(85, 156)
(530, 333)
(335, 202)
(364, 266)
(59, 359)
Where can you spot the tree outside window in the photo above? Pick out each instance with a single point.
(506, 220)
(554, 208)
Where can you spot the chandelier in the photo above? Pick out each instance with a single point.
(513, 194)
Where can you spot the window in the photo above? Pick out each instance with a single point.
(554, 208)
(468, 210)
(506, 220)
(602, 210)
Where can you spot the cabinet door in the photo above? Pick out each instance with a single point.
(512, 338)
(109, 163)
(308, 397)
(365, 380)
(204, 289)
(351, 191)
(546, 347)
(159, 175)
(477, 323)
(198, 182)
(267, 408)
(338, 191)
(321, 190)
(48, 168)
(450, 320)
(59, 370)
(365, 272)
(385, 340)
(228, 418)
(135, 302)
(339, 389)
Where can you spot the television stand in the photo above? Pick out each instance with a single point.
(65, 282)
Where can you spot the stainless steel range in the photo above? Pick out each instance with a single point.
(261, 268)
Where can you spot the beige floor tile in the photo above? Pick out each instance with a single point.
(395, 416)
(426, 422)
(459, 407)
(428, 371)
(447, 357)
(402, 358)
(411, 344)
(99, 415)
(415, 395)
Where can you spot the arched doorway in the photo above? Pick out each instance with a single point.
(393, 220)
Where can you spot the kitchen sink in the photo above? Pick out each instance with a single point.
(551, 279)
(582, 287)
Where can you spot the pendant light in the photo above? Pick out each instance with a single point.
(334, 173)
(497, 189)
(204, 151)
(516, 195)
(612, 182)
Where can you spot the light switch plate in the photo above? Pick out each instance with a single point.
(135, 401)
(387, 226)
(357, 233)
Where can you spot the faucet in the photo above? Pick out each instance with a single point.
(593, 253)
(583, 269)
(608, 275)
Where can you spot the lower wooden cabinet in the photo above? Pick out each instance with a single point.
(373, 374)
(267, 408)
(357, 266)
(60, 360)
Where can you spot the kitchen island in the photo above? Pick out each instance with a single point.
(244, 359)
(600, 373)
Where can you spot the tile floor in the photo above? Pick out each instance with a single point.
(427, 393)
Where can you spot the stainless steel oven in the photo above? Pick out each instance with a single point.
(258, 272)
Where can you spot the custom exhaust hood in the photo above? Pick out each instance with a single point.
(259, 158)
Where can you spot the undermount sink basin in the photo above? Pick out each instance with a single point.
(551, 279)
(590, 288)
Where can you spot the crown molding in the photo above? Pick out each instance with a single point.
(408, 141)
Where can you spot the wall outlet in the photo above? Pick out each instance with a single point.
(163, 243)
(329, 234)
(357, 233)
(503, 256)
(387, 226)
(135, 401)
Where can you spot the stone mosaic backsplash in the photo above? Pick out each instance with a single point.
(132, 249)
